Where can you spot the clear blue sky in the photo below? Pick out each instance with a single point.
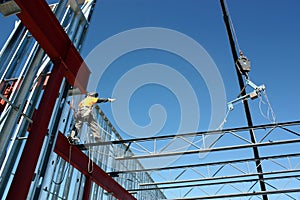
(268, 32)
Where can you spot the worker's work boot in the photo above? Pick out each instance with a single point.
(73, 139)
(97, 139)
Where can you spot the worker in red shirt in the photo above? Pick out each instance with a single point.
(85, 114)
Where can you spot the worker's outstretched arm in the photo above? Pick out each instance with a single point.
(103, 100)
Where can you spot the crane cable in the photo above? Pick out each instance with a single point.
(270, 115)
(232, 27)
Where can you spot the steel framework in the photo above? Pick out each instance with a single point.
(215, 173)
(43, 67)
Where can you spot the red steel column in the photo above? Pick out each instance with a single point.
(87, 188)
(25, 171)
(43, 25)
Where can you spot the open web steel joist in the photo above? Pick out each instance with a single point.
(49, 168)
(226, 166)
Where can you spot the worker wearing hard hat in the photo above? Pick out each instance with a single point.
(85, 114)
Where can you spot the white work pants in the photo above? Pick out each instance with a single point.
(86, 115)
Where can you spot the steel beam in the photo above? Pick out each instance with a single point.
(228, 178)
(205, 164)
(45, 28)
(171, 136)
(226, 148)
(37, 16)
(80, 161)
(246, 194)
(176, 186)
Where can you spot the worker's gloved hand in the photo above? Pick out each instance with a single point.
(111, 100)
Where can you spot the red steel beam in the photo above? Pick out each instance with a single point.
(80, 161)
(45, 28)
(37, 16)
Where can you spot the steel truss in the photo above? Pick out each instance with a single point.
(210, 175)
(281, 125)
(224, 172)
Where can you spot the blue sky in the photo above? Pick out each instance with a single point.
(267, 31)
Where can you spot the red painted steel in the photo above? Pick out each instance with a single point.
(87, 188)
(25, 171)
(37, 16)
(80, 161)
(43, 25)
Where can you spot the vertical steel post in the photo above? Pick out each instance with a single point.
(245, 101)
(25, 171)
(87, 188)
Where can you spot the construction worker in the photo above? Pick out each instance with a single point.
(85, 114)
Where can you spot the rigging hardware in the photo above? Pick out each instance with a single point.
(253, 95)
